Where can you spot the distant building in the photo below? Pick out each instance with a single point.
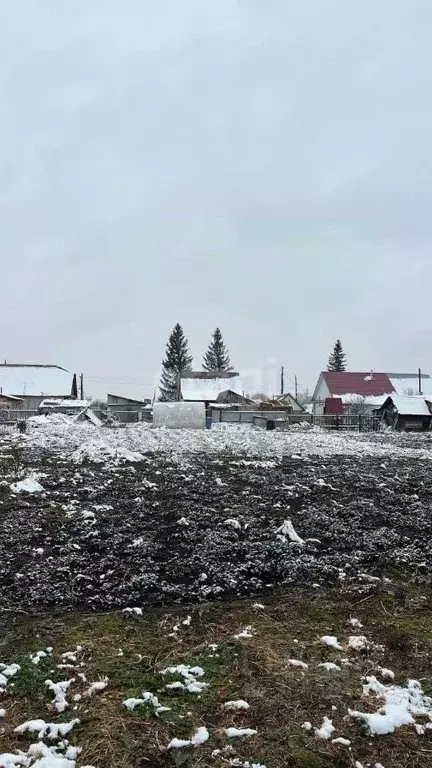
(368, 388)
(33, 383)
(289, 400)
(127, 410)
(67, 406)
(204, 387)
(406, 413)
(8, 402)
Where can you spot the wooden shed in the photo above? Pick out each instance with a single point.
(406, 414)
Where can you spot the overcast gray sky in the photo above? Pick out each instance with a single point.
(262, 165)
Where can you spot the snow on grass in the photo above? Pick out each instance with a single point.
(341, 740)
(298, 663)
(41, 756)
(329, 666)
(358, 643)
(59, 690)
(385, 673)
(239, 704)
(326, 729)
(355, 623)
(400, 706)
(133, 611)
(200, 737)
(244, 634)
(50, 731)
(36, 657)
(96, 687)
(146, 698)
(332, 641)
(234, 733)
(6, 672)
(190, 675)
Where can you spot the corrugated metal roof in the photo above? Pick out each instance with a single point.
(363, 384)
(35, 380)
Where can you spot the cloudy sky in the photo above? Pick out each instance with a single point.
(262, 165)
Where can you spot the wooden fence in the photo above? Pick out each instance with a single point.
(353, 423)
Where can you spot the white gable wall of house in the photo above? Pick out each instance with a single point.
(320, 395)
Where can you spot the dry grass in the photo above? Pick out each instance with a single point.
(281, 696)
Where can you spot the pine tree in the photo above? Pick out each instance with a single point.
(337, 359)
(217, 358)
(177, 359)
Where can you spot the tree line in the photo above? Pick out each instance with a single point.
(178, 358)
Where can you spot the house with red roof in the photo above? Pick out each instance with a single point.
(368, 388)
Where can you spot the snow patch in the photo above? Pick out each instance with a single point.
(234, 733)
(326, 729)
(28, 485)
(236, 705)
(200, 737)
(332, 641)
(287, 529)
(401, 705)
(330, 667)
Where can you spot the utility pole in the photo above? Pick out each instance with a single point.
(420, 381)
(296, 386)
(282, 381)
(82, 386)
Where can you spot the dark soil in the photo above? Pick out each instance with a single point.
(371, 515)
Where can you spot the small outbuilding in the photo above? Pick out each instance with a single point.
(407, 414)
(126, 410)
(9, 402)
(288, 400)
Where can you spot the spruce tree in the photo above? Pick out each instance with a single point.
(337, 359)
(177, 359)
(217, 358)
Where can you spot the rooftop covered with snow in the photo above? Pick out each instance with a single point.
(207, 387)
(409, 406)
(54, 403)
(35, 380)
